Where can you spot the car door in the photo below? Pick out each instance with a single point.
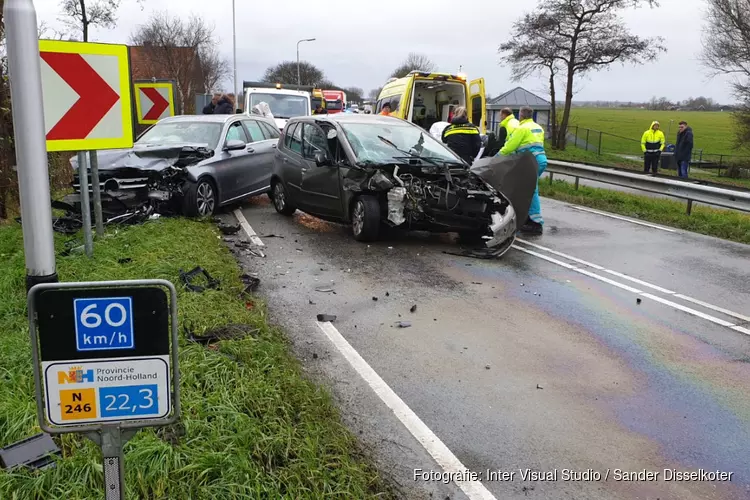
(231, 166)
(320, 185)
(290, 163)
(261, 150)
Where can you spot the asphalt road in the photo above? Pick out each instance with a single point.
(583, 349)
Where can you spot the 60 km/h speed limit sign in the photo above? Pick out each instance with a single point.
(105, 361)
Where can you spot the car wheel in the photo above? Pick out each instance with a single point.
(366, 218)
(201, 199)
(281, 200)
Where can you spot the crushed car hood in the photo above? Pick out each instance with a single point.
(150, 157)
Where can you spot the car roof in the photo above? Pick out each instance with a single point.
(350, 118)
(211, 118)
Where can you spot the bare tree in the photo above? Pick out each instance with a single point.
(354, 94)
(587, 36)
(534, 47)
(81, 14)
(286, 72)
(413, 62)
(174, 47)
(374, 93)
(214, 68)
(726, 50)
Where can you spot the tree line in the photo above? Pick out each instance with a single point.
(286, 73)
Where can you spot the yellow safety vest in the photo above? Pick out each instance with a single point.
(510, 123)
(529, 136)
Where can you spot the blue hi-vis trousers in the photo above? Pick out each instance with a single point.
(535, 210)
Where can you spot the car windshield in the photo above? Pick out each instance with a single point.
(183, 132)
(334, 105)
(385, 143)
(282, 105)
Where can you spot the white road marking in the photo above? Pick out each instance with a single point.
(640, 282)
(689, 310)
(560, 254)
(626, 219)
(550, 259)
(247, 228)
(636, 291)
(715, 308)
(475, 490)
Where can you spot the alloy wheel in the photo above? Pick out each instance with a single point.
(205, 199)
(278, 197)
(358, 217)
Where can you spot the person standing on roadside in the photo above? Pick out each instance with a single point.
(652, 144)
(529, 137)
(508, 123)
(224, 106)
(684, 149)
(208, 109)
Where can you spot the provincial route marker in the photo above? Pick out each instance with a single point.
(105, 362)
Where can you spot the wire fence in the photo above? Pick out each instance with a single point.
(605, 143)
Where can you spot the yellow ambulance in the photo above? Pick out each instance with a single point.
(425, 98)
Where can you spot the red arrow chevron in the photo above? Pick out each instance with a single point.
(95, 99)
(160, 104)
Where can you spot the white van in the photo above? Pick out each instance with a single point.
(284, 104)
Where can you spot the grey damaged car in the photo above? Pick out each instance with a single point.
(375, 171)
(187, 165)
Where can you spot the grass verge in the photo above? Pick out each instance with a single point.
(252, 426)
(726, 224)
(577, 155)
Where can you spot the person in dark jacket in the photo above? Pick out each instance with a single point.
(462, 136)
(225, 106)
(683, 149)
(208, 109)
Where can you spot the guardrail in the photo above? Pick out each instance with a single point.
(710, 195)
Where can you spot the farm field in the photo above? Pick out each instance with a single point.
(712, 130)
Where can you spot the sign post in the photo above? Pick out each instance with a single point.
(154, 100)
(105, 363)
(87, 107)
(20, 22)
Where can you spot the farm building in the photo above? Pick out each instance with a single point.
(515, 99)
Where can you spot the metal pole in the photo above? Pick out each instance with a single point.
(234, 49)
(689, 207)
(299, 78)
(114, 463)
(600, 144)
(94, 159)
(83, 182)
(31, 148)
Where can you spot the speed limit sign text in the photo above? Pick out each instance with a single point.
(104, 354)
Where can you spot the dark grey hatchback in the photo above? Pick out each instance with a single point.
(374, 171)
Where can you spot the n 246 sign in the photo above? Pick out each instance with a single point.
(104, 323)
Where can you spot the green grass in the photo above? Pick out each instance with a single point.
(577, 155)
(713, 131)
(726, 224)
(252, 425)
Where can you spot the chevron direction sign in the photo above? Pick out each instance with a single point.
(153, 101)
(87, 95)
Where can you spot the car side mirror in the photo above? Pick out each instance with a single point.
(234, 145)
(321, 159)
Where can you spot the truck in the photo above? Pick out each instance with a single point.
(284, 103)
(335, 101)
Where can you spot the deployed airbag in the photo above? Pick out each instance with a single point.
(515, 176)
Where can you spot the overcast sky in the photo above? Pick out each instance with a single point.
(359, 43)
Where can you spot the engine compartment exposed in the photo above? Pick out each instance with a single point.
(438, 199)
